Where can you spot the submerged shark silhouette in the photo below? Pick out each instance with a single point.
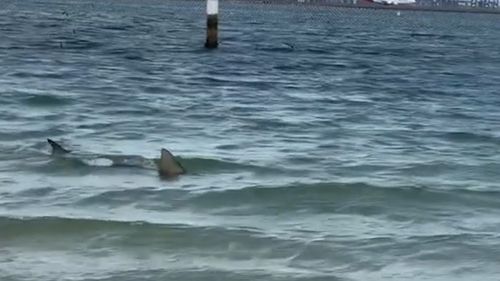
(167, 165)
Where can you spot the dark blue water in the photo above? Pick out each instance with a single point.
(320, 144)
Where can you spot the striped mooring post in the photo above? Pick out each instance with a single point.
(212, 24)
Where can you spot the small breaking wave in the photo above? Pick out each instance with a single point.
(334, 197)
(125, 233)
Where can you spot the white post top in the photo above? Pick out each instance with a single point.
(212, 7)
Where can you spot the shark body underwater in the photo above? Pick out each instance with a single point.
(167, 165)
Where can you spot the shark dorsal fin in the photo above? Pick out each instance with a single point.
(168, 166)
(57, 149)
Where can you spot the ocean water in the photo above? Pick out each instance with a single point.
(320, 144)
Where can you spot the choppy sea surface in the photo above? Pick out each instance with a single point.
(320, 144)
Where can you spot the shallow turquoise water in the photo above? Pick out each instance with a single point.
(321, 144)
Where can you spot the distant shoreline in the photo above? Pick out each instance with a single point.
(376, 6)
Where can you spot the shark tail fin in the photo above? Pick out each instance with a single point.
(168, 165)
(57, 149)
